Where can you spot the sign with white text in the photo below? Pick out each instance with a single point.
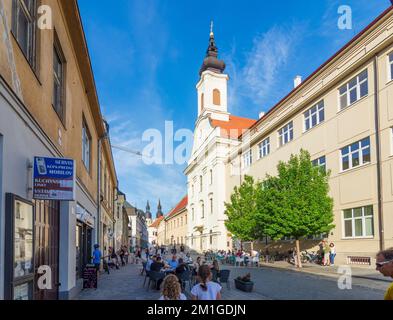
(54, 179)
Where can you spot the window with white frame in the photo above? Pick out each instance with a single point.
(211, 205)
(192, 214)
(314, 116)
(211, 177)
(247, 159)
(356, 154)
(202, 210)
(320, 162)
(86, 146)
(264, 148)
(359, 222)
(285, 134)
(355, 89)
(200, 183)
(390, 60)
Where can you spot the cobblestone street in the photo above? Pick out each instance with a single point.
(270, 284)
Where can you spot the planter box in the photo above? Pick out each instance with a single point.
(244, 286)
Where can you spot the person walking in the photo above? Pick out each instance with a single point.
(206, 289)
(332, 253)
(122, 254)
(171, 289)
(326, 253)
(385, 266)
(126, 254)
(97, 255)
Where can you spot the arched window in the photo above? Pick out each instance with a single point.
(203, 210)
(202, 101)
(211, 237)
(216, 97)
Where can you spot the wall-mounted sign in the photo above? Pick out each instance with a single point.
(54, 179)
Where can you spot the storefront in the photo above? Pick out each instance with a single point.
(83, 241)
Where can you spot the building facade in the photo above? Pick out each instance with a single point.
(342, 115)
(216, 132)
(176, 225)
(48, 108)
(139, 234)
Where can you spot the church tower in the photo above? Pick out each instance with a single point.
(213, 84)
(159, 210)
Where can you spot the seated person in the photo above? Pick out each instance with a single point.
(173, 263)
(157, 265)
(149, 262)
(181, 267)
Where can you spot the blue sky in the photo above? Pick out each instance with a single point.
(146, 55)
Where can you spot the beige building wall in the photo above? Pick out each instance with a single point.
(352, 188)
(176, 226)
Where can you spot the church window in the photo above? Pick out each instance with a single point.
(216, 97)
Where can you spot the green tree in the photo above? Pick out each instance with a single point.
(296, 202)
(241, 211)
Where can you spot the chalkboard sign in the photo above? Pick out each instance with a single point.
(90, 277)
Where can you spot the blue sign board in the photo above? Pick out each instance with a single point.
(54, 179)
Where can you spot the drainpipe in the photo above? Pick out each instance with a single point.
(378, 151)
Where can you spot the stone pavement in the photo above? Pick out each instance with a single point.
(127, 284)
(360, 272)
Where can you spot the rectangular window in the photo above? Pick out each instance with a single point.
(200, 183)
(320, 162)
(285, 134)
(264, 148)
(86, 146)
(58, 81)
(391, 66)
(354, 90)
(24, 27)
(314, 116)
(211, 206)
(247, 159)
(359, 222)
(211, 177)
(355, 154)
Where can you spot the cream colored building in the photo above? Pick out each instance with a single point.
(342, 115)
(176, 225)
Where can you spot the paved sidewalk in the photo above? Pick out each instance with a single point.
(127, 284)
(357, 271)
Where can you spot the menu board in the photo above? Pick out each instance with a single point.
(90, 277)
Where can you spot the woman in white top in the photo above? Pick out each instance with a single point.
(206, 289)
(171, 289)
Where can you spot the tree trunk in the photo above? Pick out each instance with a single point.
(252, 246)
(299, 260)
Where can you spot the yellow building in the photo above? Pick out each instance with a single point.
(49, 108)
(176, 225)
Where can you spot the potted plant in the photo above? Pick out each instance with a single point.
(244, 283)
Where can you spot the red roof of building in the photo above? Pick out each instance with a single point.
(180, 206)
(233, 128)
(156, 222)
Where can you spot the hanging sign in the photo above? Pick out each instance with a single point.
(54, 179)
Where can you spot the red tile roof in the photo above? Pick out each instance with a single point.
(180, 206)
(233, 128)
(156, 222)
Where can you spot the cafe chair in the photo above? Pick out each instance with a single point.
(224, 278)
(155, 277)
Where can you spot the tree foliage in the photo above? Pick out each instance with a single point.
(295, 203)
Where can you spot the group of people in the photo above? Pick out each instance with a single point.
(113, 260)
(328, 252)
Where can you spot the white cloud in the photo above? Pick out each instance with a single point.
(256, 81)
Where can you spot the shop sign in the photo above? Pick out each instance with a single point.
(54, 179)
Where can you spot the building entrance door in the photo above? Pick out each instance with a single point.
(47, 247)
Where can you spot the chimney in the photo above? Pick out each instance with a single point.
(297, 81)
(261, 115)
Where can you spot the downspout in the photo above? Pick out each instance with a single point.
(98, 191)
(378, 151)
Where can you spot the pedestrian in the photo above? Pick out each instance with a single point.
(126, 254)
(97, 257)
(171, 289)
(121, 254)
(326, 254)
(147, 253)
(385, 266)
(215, 269)
(206, 289)
(332, 253)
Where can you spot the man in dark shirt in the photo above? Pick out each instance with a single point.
(157, 265)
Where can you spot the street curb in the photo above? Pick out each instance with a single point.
(324, 274)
